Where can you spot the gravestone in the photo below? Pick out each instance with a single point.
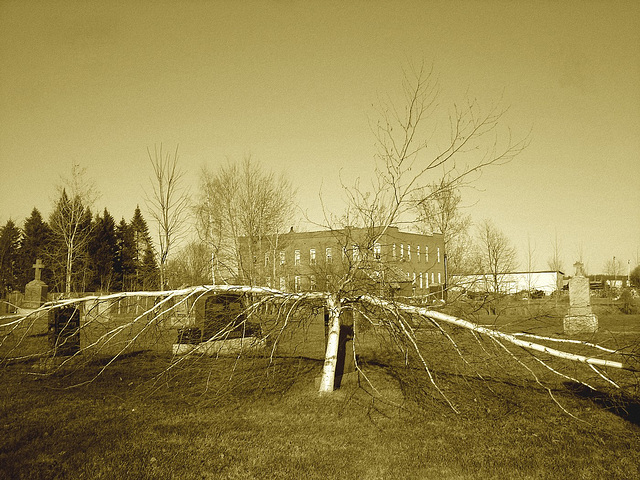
(35, 292)
(64, 330)
(15, 300)
(579, 318)
(219, 327)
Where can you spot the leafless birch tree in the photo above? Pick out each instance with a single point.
(168, 202)
(70, 220)
(244, 203)
(578, 362)
(412, 152)
(497, 253)
(439, 208)
(555, 260)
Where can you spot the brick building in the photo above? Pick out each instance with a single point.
(394, 262)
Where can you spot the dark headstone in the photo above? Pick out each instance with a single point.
(223, 313)
(64, 330)
(189, 335)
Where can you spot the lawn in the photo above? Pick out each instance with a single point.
(146, 416)
(228, 419)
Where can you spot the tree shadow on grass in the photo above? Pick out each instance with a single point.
(623, 405)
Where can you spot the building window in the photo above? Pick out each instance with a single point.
(393, 251)
(281, 257)
(414, 278)
(409, 252)
(420, 277)
(297, 283)
(439, 279)
(296, 257)
(377, 251)
(312, 283)
(329, 254)
(266, 259)
(355, 251)
(312, 256)
(426, 253)
(432, 278)
(426, 280)
(401, 251)
(418, 253)
(438, 254)
(283, 284)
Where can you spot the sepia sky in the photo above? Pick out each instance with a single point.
(295, 85)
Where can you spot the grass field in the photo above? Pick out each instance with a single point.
(239, 419)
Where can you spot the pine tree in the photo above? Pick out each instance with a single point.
(102, 250)
(35, 244)
(125, 266)
(150, 271)
(10, 236)
(143, 256)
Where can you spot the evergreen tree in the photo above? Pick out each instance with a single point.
(143, 256)
(35, 242)
(102, 251)
(150, 272)
(125, 265)
(10, 236)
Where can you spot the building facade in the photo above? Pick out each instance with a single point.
(510, 283)
(383, 261)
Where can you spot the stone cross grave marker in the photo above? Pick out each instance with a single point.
(38, 266)
(35, 292)
(579, 318)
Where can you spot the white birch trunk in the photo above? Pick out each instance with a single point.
(331, 356)
(493, 333)
(69, 266)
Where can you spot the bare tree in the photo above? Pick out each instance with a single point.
(531, 263)
(70, 221)
(168, 203)
(191, 267)
(555, 261)
(577, 362)
(613, 267)
(439, 209)
(497, 253)
(409, 157)
(241, 212)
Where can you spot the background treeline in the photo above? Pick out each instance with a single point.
(103, 256)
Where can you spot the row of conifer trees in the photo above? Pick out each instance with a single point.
(104, 256)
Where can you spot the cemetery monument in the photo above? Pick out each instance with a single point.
(35, 292)
(580, 318)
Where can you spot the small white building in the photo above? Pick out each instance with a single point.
(509, 283)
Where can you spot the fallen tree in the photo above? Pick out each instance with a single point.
(406, 324)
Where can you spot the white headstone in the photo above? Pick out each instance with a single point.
(580, 318)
